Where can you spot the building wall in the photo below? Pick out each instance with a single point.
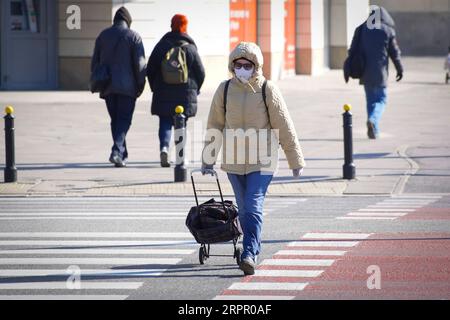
(346, 15)
(324, 29)
(75, 47)
(151, 19)
(422, 25)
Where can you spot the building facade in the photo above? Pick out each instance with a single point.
(423, 26)
(48, 44)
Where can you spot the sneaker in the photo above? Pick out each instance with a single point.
(164, 158)
(118, 162)
(248, 266)
(371, 130)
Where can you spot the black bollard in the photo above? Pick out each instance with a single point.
(180, 142)
(349, 167)
(10, 168)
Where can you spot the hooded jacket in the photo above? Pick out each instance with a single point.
(378, 44)
(246, 110)
(126, 62)
(167, 96)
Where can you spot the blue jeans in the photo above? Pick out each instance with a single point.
(120, 109)
(376, 103)
(165, 131)
(250, 191)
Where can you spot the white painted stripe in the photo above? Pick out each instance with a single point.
(387, 209)
(366, 218)
(63, 297)
(311, 252)
(101, 251)
(336, 235)
(288, 273)
(310, 243)
(394, 206)
(83, 272)
(297, 262)
(63, 285)
(95, 235)
(92, 218)
(416, 197)
(99, 261)
(409, 201)
(294, 286)
(378, 214)
(63, 214)
(105, 243)
(238, 297)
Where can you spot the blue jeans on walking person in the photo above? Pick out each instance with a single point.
(376, 98)
(165, 131)
(250, 191)
(120, 109)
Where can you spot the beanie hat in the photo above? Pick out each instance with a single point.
(179, 23)
(123, 14)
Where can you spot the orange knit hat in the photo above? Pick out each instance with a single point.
(179, 23)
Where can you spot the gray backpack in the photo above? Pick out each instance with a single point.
(174, 67)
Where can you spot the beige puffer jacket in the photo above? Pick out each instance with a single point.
(246, 110)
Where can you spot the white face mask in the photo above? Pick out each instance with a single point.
(244, 75)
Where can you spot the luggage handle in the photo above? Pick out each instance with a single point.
(213, 173)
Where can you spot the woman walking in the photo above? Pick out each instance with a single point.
(248, 103)
(169, 91)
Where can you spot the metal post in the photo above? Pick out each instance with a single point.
(10, 168)
(180, 142)
(349, 167)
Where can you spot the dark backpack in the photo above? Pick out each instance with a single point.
(174, 67)
(355, 63)
(101, 75)
(213, 222)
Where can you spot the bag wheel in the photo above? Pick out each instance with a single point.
(202, 255)
(237, 255)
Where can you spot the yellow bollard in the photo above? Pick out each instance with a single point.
(9, 110)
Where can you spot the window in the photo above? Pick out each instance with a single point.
(25, 15)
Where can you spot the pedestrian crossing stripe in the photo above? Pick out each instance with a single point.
(346, 236)
(288, 273)
(64, 297)
(89, 261)
(158, 235)
(104, 243)
(380, 214)
(129, 273)
(101, 251)
(298, 286)
(316, 243)
(62, 285)
(253, 297)
(310, 253)
(298, 262)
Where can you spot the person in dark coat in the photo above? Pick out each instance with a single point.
(377, 44)
(167, 96)
(122, 50)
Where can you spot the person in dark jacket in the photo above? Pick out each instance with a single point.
(167, 96)
(377, 44)
(122, 50)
